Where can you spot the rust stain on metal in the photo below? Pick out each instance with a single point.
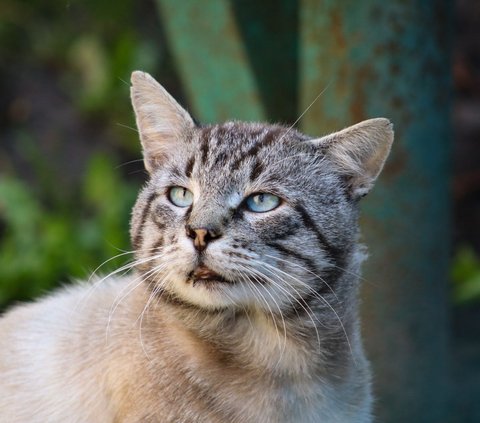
(397, 164)
(337, 30)
(363, 76)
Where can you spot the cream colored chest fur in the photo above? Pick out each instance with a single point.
(91, 370)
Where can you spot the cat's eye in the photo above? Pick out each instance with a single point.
(180, 196)
(262, 202)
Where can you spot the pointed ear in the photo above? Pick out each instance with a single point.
(161, 121)
(359, 152)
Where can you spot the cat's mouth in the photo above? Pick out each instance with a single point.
(206, 276)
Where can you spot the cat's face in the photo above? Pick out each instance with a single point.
(243, 215)
(256, 190)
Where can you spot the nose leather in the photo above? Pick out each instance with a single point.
(201, 236)
(200, 241)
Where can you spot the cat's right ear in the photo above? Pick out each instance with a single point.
(359, 152)
(161, 121)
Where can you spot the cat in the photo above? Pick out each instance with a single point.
(242, 306)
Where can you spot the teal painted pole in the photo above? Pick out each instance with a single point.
(377, 58)
(211, 59)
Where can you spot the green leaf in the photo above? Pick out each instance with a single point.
(466, 276)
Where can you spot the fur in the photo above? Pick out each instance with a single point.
(273, 337)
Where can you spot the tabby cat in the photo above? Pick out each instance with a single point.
(242, 305)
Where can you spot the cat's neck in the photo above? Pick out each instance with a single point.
(297, 344)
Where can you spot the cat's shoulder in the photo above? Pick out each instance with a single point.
(67, 302)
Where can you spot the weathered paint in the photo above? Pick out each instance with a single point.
(391, 59)
(269, 30)
(211, 60)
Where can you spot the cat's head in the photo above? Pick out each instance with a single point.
(247, 214)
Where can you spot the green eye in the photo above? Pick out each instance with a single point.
(180, 196)
(262, 202)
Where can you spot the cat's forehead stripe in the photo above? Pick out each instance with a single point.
(204, 140)
(270, 136)
(233, 144)
(189, 166)
(257, 170)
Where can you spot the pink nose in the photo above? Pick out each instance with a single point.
(201, 236)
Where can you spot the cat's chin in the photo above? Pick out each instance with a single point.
(208, 294)
(204, 288)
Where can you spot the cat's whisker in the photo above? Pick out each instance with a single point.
(306, 110)
(253, 285)
(357, 275)
(153, 294)
(132, 129)
(306, 270)
(108, 261)
(147, 304)
(245, 309)
(123, 269)
(320, 297)
(93, 286)
(142, 279)
(289, 295)
(323, 299)
(244, 287)
(127, 266)
(117, 301)
(129, 162)
(305, 307)
(310, 290)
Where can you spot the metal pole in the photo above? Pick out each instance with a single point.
(211, 59)
(377, 58)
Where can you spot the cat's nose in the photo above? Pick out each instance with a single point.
(201, 236)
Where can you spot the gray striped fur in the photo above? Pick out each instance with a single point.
(277, 340)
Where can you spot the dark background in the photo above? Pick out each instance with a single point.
(466, 210)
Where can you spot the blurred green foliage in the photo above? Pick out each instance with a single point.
(41, 247)
(88, 47)
(64, 202)
(466, 276)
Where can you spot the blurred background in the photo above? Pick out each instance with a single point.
(70, 163)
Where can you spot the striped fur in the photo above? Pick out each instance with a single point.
(277, 340)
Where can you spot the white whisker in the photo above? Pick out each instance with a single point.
(306, 110)
(142, 279)
(253, 285)
(323, 299)
(308, 311)
(306, 270)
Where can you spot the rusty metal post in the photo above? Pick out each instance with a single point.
(377, 58)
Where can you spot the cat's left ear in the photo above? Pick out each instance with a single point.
(359, 152)
(161, 121)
